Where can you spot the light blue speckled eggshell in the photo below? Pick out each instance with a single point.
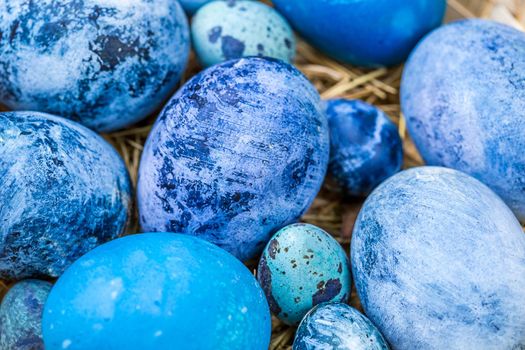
(303, 266)
(21, 316)
(336, 326)
(439, 263)
(157, 291)
(223, 30)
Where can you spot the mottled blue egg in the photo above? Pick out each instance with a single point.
(303, 266)
(337, 326)
(21, 316)
(439, 263)
(63, 191)
(365, 147)
(191, 6)
(227, 30)
(104, 63)
(239, 152)
(157, 291)
(365, 32)
(463, 96)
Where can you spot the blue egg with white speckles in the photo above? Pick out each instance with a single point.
(303, 266)
(239, 152)
(364, 32)
(337, 326)
(157, 291)
(227, 30)
(104, 63)
(21, 316)
(365, 145)
(468, 111)
(63, 191)
(439, 263)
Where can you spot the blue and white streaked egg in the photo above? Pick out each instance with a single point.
(224, 30)
(303, 266)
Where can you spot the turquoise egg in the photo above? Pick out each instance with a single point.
(303, 266)
(224, 30)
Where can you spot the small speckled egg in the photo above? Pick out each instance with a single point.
(303, 266)
(238, 153)
(224, 30)
(365, 145)
(439, 263)
(468, 111)
(21, 316)
(191, 6)
(63, 191)
(157, 291)
(104, 63)
(336, 326)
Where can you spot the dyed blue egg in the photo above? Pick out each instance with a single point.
(439, 263)
(303, 266)
(191, 6)
(337, 327)
(63, 191)
(227, 30)
(365, 145)
(365, 32)
(21, 316)
(239, 152)
(468, 111)
(106, 64)
(157, 291)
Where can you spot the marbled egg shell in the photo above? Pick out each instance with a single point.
(227, 30)
(239, 152)
(439, 263)
(191, 6)
(21, 316)
(364, 32)
(337, 327)
(103, 63)
(157, 291)
(303, 266)
(468, 111)
(365, 145)
(63, 191)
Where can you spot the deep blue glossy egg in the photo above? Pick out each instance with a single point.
(104, 63)
(439, 263)
(157, 291)
(365, 32)
(63, 191)
(239, 152)
(463, 96)
(365, 145)
(21, 316)
(191, 6)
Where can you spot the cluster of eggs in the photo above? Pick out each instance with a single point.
(234, 159)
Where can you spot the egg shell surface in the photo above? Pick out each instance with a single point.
(191, 6)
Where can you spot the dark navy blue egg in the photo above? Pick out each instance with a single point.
(104, 63)
(365, 145)
(365, 32)
(463, 96)
(63, 191)
(21, 316)
(337, 327)
(438, 261)
(239, 152)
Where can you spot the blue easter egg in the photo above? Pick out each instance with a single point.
(239, 152)
(339, 327)
(439, 263)
(157, 291)
(365, 32)
(463, 96)
(365, 145)
(63, 191)
(21, 316)
(191, 6)
(303, 266)
(106, 64)
(227, 30)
